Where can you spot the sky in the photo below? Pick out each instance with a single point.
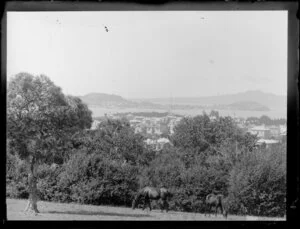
(152, 54)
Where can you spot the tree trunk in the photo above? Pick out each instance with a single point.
(33, 191)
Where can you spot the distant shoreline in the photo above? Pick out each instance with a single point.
(101, 111)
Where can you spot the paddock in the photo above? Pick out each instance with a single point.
(62, 211)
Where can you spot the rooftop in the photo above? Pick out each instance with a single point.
(259, 128)
(267, 141)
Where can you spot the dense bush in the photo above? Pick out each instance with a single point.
(96, 179)
(16, 177)
(107, 166)
(258, 181)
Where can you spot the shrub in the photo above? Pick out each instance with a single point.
(95, 179)
(16, 177)
(258, 182)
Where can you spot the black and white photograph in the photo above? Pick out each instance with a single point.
(166, 115)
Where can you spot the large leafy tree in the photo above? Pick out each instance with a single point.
(218, 136)
(39, 120)
(115, 139)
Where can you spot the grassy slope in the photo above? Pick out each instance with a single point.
(59, 211)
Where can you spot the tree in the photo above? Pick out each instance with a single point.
(201, 133)
(265, 120)
(214, 113)
(39, 119)
(258, 181)
(192, 132)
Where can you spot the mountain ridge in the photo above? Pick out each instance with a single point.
(266, 99)
(248, 100)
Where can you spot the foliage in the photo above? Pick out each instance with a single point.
(258, 181)
(40, 117)
(94, 179)
(16, 177)
(109, 164)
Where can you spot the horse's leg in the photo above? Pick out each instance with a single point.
(144, 206)
(208, 209)
(149, 203)
(135, 201)
(222, 209)
(161, 206)
(166, 205)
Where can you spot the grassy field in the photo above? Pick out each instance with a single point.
(59, 211)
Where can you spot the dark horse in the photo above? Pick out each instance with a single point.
(216, 201)
(151, 193)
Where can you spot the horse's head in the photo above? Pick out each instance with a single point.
(165, 193)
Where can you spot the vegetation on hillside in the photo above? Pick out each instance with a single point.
(109, 164)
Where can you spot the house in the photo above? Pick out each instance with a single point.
(161, 142)
(157, 144)
(138, 129)
(275, 131)
(95, 124)
(282, 130)
(151, 143)
(150, 129)
(261, 132)
(268, 142)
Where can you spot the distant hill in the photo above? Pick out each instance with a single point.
(245, 101)
(247, 106)
(271, 101)
(105, 100)
(116, 101)
(100, 98)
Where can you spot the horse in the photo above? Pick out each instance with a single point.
(150, 193)
(216, 201)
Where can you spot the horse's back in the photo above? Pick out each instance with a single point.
(149, 189)
(214, 199)
(151, 192)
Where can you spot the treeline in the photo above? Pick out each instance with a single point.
(108, 165)
(104, 167)
(265, 120)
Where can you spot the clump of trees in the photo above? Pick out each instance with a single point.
(49, 137)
